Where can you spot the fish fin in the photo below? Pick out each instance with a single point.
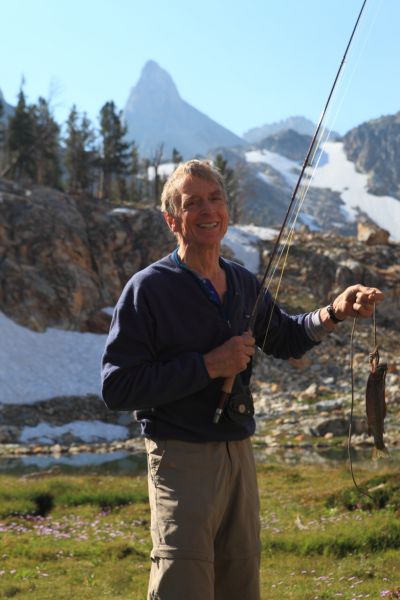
(378, 453)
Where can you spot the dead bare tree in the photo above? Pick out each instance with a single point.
(155, 163)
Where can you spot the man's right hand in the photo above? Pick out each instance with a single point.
(231, 357)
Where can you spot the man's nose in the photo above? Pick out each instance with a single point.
(207, 205)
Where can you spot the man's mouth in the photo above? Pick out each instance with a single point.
(208, 225)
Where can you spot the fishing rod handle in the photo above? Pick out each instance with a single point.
(224, 397)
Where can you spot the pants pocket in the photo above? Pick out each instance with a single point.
(155, 455)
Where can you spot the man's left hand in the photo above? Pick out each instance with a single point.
(356, 301)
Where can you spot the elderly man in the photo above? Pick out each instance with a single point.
(179, 329)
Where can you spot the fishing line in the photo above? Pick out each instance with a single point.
(350, 76)
(318, 147)
(289, 240)
(229, 382)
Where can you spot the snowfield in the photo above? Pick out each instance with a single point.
(37, 366)
(340, 175)
(243, 239)
(289, 169)
(337, 173)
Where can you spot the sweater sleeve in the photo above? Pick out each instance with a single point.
(280, 334)
(132, 375)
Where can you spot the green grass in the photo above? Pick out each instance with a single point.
(88, 536)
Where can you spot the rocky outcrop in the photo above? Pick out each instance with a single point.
(372, 234)
(63, 259)
(375, 148)
(321, 264)
(288, 143)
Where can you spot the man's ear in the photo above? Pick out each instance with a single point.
(171, 221)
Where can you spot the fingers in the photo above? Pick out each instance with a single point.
(248, 340)
(230, 358)
(243, 350)
(370, 294)
(357, 300)
(365, 300)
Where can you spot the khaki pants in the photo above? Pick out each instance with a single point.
(204, 521)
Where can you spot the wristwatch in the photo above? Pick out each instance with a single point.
(332, 315)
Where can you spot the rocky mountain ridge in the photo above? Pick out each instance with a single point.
(374, 147)
(299, 124)
(287, 142)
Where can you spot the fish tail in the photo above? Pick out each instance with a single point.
(378, 453)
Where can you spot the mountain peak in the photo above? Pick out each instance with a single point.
(155, 80)
(156, 114)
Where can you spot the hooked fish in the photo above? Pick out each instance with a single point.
(376, 407)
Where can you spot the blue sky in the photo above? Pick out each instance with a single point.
(242, 63)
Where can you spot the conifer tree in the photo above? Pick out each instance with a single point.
(231, 185)
(80, 154)
(176, 157)
(46, 145)
(21, 140)
(114, 160)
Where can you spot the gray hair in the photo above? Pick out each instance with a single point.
(171, 195)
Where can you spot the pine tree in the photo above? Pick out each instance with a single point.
(114, 161)
(176, 157)
(231, 186)
(46, 145)
(80, 156)
(21, 141)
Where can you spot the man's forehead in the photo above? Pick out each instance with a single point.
(192, 185)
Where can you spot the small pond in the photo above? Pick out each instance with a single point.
(134, 462)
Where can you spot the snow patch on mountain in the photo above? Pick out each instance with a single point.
(339, 174)
(289, 169)
(243, 241)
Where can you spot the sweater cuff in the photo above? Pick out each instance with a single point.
(314, 327)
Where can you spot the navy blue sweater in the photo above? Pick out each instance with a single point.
(163, 323)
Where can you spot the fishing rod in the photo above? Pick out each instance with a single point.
(229, 381)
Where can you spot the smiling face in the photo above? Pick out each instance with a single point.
(202, 217)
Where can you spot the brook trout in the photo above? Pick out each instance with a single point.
(376, 408)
